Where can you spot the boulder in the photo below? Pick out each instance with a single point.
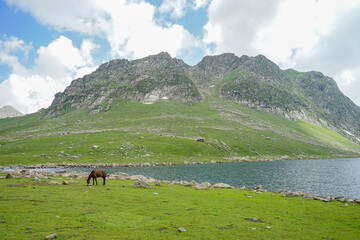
(119, 176)
(9, 175)
(202, 186)
(141, 184)
(51, 236)
(221, 185)
(54, 183)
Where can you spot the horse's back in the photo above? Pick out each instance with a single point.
(99, 173)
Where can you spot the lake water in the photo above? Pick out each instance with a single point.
(336, 177)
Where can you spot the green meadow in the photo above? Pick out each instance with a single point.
(118, 211)
(157, 133)
(166, 132)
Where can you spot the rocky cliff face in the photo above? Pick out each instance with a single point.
(252, 81)
(147, 80)
(8, 111)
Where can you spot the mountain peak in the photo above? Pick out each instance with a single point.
(9, 111)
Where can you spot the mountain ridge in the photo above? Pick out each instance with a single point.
(255, 82)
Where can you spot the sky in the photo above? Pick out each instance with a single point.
(45, 44)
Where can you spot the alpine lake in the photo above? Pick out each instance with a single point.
(334, 177)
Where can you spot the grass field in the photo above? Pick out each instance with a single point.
(166, 132)
(118, 211)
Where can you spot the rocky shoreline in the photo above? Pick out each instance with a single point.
(142, 164)
(50, 176)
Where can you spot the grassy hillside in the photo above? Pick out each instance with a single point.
(118, 211)
(166, 132)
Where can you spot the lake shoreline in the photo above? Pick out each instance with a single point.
(146, 164)
(37, 175)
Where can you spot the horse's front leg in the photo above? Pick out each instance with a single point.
(93, 181)
(96, 181)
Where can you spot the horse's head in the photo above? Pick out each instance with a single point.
(88, 181)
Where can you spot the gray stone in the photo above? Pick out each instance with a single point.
(28, 227)
(141, 184)
(221, 185)
(51, 236)
(54, 183)
(9, 175)
(181, 229)
(204, 185)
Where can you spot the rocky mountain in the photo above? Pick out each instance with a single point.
(8, 111)
(259, 83)
(255, 82)
(154, 78)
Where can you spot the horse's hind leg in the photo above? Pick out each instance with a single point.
(104, 180)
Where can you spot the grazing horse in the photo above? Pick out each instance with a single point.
(95, 174)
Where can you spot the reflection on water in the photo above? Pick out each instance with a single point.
(336, 177)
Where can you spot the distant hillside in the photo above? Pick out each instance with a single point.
(8, 111)
(160, 110)
(258, 83)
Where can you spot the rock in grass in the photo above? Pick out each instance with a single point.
(201, 186)
(9, 175)
(181, 229)
(141, 184)
(221, 185)
(51, 236)
(28, 227)
(2, 221)
(54, 183)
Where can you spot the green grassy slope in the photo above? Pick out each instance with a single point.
(116, 212)
(166, 132)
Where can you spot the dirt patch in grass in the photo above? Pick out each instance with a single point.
(16, 185)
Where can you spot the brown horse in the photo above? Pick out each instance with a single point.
(95, 174)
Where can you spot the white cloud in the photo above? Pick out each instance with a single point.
(176, 8)
(13, 45)
(80, 16)
(233, 24)
(57, 64)
(130, 27)
(200, 4)
(134, 33)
